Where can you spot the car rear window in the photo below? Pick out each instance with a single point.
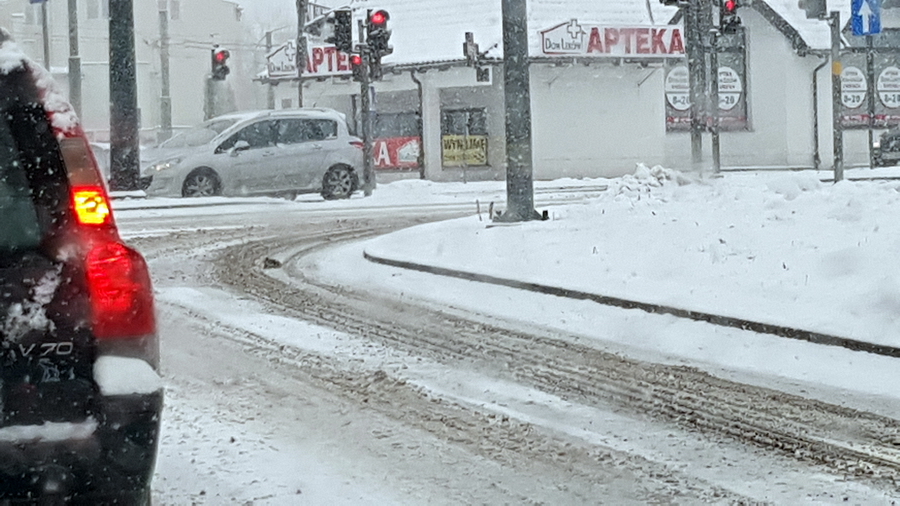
(19, 225)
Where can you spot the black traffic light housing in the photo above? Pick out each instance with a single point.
(220, 64)
(377, 34)
(358, 66)
(343, 31)
(728, 18)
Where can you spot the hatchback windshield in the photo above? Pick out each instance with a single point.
(199, 135)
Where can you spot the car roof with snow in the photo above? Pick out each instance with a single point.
(306, 112)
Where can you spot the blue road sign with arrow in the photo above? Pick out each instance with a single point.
(865, 17)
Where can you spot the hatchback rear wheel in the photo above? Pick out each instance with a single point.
(339, 183)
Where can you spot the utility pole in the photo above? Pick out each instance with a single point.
(123, 115)
(836, 106)
(74, 59)
(301, 48)
(45, 31)
(270, 88)
(165, 99)
(517, 98)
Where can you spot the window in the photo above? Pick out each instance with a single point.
(295, 131)
(98, 9)
(199, 135)
(404, 124)
(33, 14)
(257, 135)
(464, 122)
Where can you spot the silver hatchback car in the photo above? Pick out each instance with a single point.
(284, 153)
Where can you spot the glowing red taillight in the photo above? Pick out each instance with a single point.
(358, 144)
(120, 291)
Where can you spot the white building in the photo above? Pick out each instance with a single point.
(194, 26)
(607, 90)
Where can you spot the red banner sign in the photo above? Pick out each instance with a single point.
(396, 153)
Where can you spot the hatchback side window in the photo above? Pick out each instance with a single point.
(295, 131)
(257, 135)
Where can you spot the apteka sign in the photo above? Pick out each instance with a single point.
(575, 39)
(321, 61)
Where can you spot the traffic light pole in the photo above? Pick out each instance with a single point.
(870, 75)
(836, 105)
(714, 99)
(696, 70)
(165, 97)
(365, 104)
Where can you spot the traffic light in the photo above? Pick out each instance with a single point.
(356, 64)
(728, 18)
(377, 34)
(343, 31)
(220, 64)
(815, 9)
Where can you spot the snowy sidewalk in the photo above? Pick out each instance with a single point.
(779, 249)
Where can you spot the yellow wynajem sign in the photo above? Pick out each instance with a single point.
(462, 150)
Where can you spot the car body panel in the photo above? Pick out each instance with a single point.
(268, 166)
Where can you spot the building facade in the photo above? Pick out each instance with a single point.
(608, 90)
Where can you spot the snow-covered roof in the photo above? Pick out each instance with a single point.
(425, 31)
(815, 33)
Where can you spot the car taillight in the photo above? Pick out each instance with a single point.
(91, 206)
(120, 291)
(358, 144)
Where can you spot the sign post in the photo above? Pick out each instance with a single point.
(865, 19)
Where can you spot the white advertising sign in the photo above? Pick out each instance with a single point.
(678, 88)
(321, 61)
(888, 87)
(575, 39)
(730, 88)
(853, 87)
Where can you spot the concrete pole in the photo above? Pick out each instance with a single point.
(517, 93)
(270, 87)
(301, 48)
(123, 116)
(165, 99)
(45, 31)
(74, 59)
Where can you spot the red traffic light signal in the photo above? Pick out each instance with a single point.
(730, 5)
(220, 64)
(728, 18)
(379, 18)
(356, 64)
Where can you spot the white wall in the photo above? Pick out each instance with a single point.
(596, 121)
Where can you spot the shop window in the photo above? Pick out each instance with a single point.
(404, 124)
(464, 122)
(464, 137)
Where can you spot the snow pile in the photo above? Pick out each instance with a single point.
(49, 432)
(23, 317)
(124, 376)
(645, 179)
(62, 115)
